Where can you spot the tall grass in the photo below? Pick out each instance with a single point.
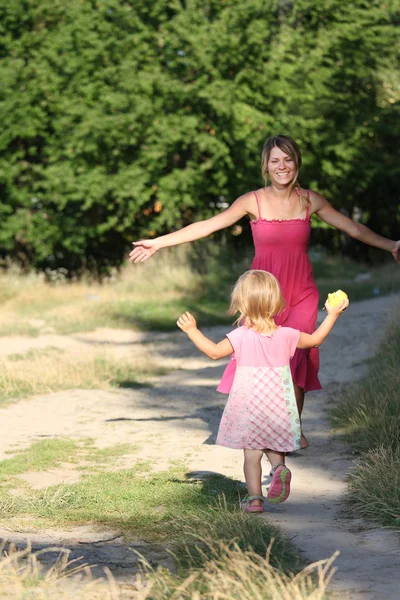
(236, 575)
(232, 574)
(22, 577)
(369, 413)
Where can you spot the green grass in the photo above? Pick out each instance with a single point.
(40, 456)
(169, 507)
(46, 454)
(108, 455)
(166, 508)
(369, 416)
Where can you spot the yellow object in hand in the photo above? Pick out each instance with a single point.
(336, 298)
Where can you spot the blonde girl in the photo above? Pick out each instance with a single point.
(261, 415)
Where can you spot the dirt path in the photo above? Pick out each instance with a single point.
(177, 419)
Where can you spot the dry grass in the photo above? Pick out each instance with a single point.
(31, 304)
(150, 296)
(237, 576)
(23, 578)
(42, 373)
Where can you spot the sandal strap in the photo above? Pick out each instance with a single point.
(250, 498)
(272, 471)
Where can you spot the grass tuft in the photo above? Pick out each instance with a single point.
(375, 487)
(230, 574)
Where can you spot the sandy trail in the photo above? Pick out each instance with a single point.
(177, 419)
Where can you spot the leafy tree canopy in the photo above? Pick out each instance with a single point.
(126, 118)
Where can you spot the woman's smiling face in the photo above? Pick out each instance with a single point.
(281, 167)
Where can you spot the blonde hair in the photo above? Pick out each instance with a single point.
(258, 298)
(289, 147)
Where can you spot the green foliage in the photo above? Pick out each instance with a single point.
(123, 119)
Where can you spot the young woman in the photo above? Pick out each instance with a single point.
(280, 216)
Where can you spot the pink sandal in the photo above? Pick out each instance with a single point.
(279, 489)
(246, 506)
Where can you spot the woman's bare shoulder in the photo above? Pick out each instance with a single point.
(248, 202)
(249, 196)
(317, 200)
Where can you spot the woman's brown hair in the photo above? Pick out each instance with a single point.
(289, 147)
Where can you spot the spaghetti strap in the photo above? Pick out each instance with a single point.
(308, 203)
(258, 206)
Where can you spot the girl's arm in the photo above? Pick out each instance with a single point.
(144, 249)
(187, 323)
(333, 217)
(315, 339)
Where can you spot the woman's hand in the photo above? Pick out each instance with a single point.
(187, 322)
(396, 252)
(143, 250)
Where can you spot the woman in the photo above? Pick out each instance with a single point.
(280, 219)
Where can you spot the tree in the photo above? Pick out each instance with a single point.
(124, 119)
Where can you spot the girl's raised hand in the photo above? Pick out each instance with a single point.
(186, 322)
(336, 310)
(143, 250)
(396, 252)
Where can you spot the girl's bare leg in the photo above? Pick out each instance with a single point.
(252, 473)
(275, 458)
(299, 393)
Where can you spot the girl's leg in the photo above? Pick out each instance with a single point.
(299, 393)
(275, 458)
(252, 473)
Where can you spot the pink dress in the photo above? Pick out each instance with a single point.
(281, 247)
(261, 411)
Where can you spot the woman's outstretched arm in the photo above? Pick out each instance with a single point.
(360, 232)
(144, 249)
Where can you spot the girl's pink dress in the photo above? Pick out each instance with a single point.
(261, 411)
(281, 247)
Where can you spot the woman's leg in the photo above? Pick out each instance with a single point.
(299, 393)
(252, 473)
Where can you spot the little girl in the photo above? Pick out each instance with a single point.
(261, 413)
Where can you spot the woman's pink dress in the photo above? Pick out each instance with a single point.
(281, 247)
(261, 411)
